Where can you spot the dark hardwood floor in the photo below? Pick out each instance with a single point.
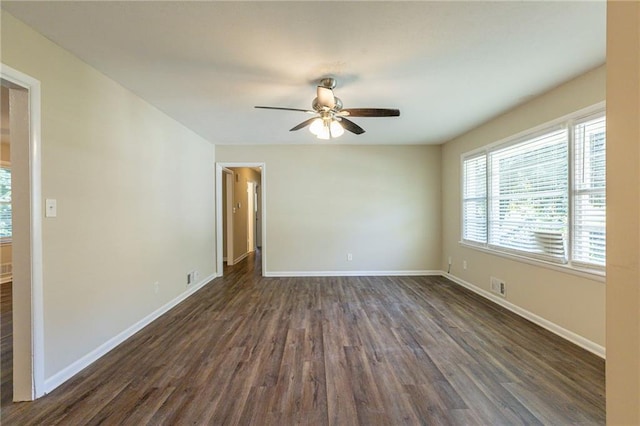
(6, 345)
(341, 351)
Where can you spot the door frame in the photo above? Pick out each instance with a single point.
(29, 381)
(227, 180)
(263, 212)
(251, 216)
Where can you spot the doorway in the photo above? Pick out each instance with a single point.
(251, 216)
(22, 238)
(242, 208)
(6, 264)
(227, 216)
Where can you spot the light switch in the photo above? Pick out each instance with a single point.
(50, 208)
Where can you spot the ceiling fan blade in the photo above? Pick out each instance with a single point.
(325, 97)
(286, 109)
(305, 123)
(371, 112)
(351, 126)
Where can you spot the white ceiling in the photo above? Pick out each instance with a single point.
(448, 66)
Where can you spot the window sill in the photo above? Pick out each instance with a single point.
(592, 274)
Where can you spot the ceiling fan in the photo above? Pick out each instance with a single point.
(330, 119)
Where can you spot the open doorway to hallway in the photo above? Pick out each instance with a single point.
(240, 206)
(6, 246)
(21, 319)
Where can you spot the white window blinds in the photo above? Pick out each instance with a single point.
(541, 196)
(589, 193)
(529, 196)
(474, 202)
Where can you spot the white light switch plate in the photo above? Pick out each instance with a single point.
(50, 208)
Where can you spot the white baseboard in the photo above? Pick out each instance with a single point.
(240, 258)
(349, 273)
(552, 327)
(66, 373)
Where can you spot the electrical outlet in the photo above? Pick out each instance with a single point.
(349, 257)
(464, 264)
(156, 287)
(450, 260)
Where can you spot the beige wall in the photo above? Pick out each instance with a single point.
(380, 203)
(135, 200)
(4, 119)
(572, 302)
(623, 213)
(6, 152)
(5, 253)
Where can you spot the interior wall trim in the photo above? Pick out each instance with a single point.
(68, 372)
(241, 257)
(351, 273)
(538, 320)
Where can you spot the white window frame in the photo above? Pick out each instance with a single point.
(568, 121)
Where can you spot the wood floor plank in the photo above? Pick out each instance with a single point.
(255, 350)
(314, 392)
(6, 343)
(369, 407)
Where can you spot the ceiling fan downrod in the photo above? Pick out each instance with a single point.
(328, 83)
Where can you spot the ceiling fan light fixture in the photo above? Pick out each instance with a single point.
(317, 126)
(336, 129)
(326, 128)
(324, 134)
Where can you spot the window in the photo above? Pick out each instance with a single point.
(529, 205)
(589, 192)
(5, 204)
(475, 199)
(541, 196)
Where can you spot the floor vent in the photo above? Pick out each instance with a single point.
(498, 286)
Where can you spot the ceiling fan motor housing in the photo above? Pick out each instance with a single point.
(317, 107)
